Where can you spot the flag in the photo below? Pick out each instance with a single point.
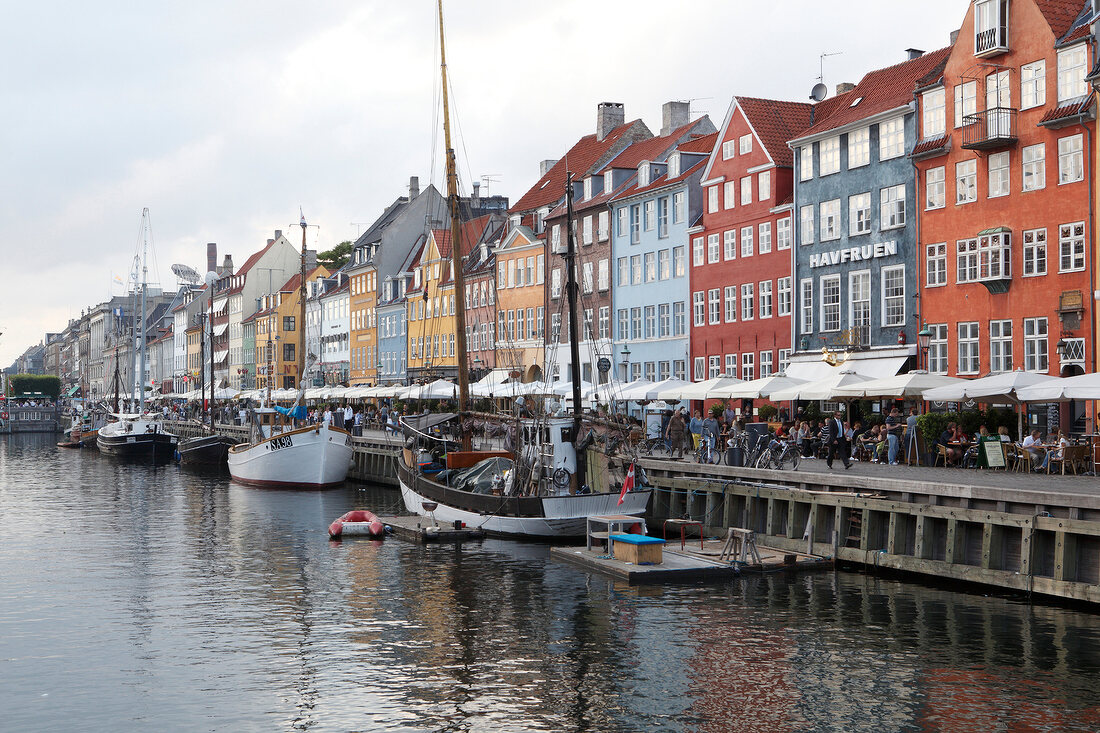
(628, 483)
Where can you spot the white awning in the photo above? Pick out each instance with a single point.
(220, 355)
(219, 330)
(219, 303)
(872, 368)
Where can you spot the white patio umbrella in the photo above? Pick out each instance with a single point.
(668, 390)
(225, 393)
(609, 391)
(994, 388)
(822, 389)
(565, 388)
(440, 389)
(912, 384)
(755, 389)
(315, 393)
(636, 390)
(710, 389)
(1081, 387)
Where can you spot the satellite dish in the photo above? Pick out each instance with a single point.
(211, 277)
(819, 92)
(186, 274)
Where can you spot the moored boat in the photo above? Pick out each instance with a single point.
(205, 450)
(137, 436)
(312, 457)
(357, 523)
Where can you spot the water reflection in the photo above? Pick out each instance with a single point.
(138, 596)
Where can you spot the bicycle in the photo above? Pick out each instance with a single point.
(778, 454)
(705, 453)
(658, 447)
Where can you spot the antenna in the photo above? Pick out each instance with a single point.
(487, 179)
(819, 92)
(359, 227)
(187, 274)
(821, 64)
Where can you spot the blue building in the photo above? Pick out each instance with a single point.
(855, 254)
(392, 343)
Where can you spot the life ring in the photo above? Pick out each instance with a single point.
(3, 416)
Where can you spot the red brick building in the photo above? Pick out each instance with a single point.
(741, 290)
(1003, 173)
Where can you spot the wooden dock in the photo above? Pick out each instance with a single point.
(419, 530)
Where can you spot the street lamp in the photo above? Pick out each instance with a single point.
(924, 337)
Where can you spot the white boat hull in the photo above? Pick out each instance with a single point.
(565, 516)
(311, 457)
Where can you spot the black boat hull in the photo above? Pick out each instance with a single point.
(159, 446)
(207, 450)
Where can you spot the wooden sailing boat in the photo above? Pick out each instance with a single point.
(555, 502)
(309, 457)
(211, 449)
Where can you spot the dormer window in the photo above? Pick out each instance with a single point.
(607, 182)
(674, 164)
(990, 27)
(643, 174)
(588, 188)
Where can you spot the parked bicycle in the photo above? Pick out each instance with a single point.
(707, 454)
(779, 454)
(657, 447)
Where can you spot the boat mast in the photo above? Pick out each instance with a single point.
(139, 378)
(574, 343)
(302, 313)
(211, 324)
(456, 251)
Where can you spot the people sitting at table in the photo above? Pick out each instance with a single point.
(947, 437)
(1061, 443)
(1002, 432)
(1034, 446)
(805, 440)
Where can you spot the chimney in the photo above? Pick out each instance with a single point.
(954, 37)
(211, 257)
(609, 115)
(414, 187)
(476, 193)
(844, 86)
(278, 233)
(270, 242)
(914, 53)
(674, 115)
(545, 166)
(227, 266)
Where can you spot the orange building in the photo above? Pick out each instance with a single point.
(430, 311)
(279, 334)
(521, 305)
(363, 312)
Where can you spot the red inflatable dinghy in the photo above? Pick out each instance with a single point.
(357, 523)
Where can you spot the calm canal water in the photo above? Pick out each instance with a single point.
(134, 598)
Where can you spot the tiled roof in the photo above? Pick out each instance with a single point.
(660, 181)
(1061, 14)
(248, 264)
(443, 241)
(699, 144)
(583, 155)
(878, 91)
(295, 281)
(931, 146)
(1070, 109)
(775, 123)
(654, 148)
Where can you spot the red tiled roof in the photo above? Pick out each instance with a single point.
(699, 144)
(1069, 109)
(879, 91)
(1060, 14)
(583, 155)
(776, 122)
(661, 181)
(248, 264)
(296, 281)
(650, 149)
(1081, 31)
(931, 146)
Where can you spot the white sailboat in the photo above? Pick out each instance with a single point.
(541, 494)
(306, 457)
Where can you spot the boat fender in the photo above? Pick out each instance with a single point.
(388, 529)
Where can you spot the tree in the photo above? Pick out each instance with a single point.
(29, 384)
(336, 257)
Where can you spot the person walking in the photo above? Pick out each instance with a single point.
(894, 426)
(675, 433)
(837, 440)
(696, 428)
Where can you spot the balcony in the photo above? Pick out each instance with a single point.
(990, 129)
(991, 41)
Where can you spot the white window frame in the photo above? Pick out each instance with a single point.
(714, 306)
(828, 154)
(937, 349)
(712, 199)
(783, 233)
(748, 302)
(1071, 247)
(893, 303)
(933, 113)
(1000, 180)
(806, 162)
(1033, 84)
(966, 182)
(891, 139)
(1000, 346)
(764, 238)
(729, 244)
(729, 299)
(969, 347)
(729, 149)
(830, 220)
(764, 295)
(859, 148)
(764, 186)
(1072, 67)
(713, 251)
(935, 265)
(891, 207)
(1034, 169)
(830, 307)
(783, 296)
(1036, 345)
(1035, 253)
(859, 214)
(698, 251)
(806, 305)
(729, 195)
(1071, 159)
(935, 188)
(746, 241)
(966, 101)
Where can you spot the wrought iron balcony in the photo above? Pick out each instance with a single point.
(991, 41)
(991, 128)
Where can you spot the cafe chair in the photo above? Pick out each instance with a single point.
(1012, 456)
(941, 455)
(1072, 456)
(1023, 460)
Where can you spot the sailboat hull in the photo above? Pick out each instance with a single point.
(535, 517)
(137, 438)
(313, 457)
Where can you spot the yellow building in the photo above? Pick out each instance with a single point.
(430, 311)
(279, 334)
(363, 312)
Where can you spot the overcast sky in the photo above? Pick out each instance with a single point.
(224, 117)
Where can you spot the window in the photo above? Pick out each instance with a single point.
(784, 360)
(968, 348)
(678, 268)
(859, 214)
(1071, 160)
(828, 152)
(1035, 176)
(934, 188)
(730, 293)
(806, 303)
(729, 244)
(893, 296)
(1035, 252)
(764, 186)
(933, 123)
(765, 298)
(729, 149)
(806, 162)
(998, 174)
(783, 233)
(602, 228)
(966, 101)
(783, 296)
(288, 352)
(830, 220)
(748, 302)
(650, 321)
(1071, 73)
(989, 257)
(622, 220)
(745, 144)
(859, 305)
(1000, 346)
(624, 324)
(714, 305)
(678, 207)
(635, 223)
(765, 244)
(635, 269)
(1035, 345)
(679, 324)
(1071, 247)
(891, 138)
(288, 323)
(1033, 84)
(966, 181)
(650, 260)
(746, 190)
(664, 264)
(699, 369)
(966, 261)
(714, 364)
(586, 228)
(650, 219)
(664, 321)
(662, 217)
(937, 348)
(587, 325)
(635, 323)
(697, 251)
(512, 273)
(698, 308)
(747, 366)
(712, 248)
(555, 283)
(604, 276)
(765, 364)
(859, 147)
(586, 277)
(746, 241)
(936, 265)
(806, 224)
(624, 271)
(555, 236)
(892, 207)
(712, 199)
(731, 365)
(830, 303)
(729, 196)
